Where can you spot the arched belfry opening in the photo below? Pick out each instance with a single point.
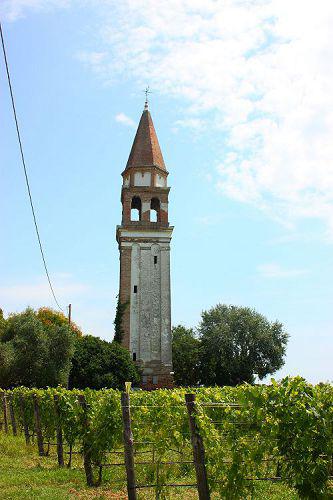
(155, 210)
(136, 208)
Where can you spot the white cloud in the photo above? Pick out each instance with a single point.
(258, 72)
(93, 308)
(12, 10)
(37, 293)
(94, 59)
(273, 270)
(209, 220)
(193, 123)
(124, 120)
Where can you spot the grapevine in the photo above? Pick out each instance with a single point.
(282, 431)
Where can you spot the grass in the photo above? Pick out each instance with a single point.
(25, 475)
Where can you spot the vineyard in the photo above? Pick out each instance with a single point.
(218, 441)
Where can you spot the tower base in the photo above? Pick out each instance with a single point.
(155, 375)
(164, 382)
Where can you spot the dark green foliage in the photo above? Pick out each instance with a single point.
(118, 321)
(6, 355)
(34, 353)
(26, 335)
(237, 343)
(97, 363)
(185, 355)
(2, 323)
(6, 362)
(61, 342)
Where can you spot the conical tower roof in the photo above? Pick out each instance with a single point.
(145, 150)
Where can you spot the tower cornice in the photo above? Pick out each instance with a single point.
(143, 234)
(146, 189)
(140, 168)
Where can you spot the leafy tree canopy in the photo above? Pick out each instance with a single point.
(237, 343)
(50, 317)
(35, 352)
(185, 353)
(2, 324)
(97, 363)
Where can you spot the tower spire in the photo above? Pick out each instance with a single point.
(146, 150)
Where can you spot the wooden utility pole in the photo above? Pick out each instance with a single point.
(24, 420)
(86, 445)
(69, 314)
(38, 427)
(60, 449)
(128, 446)
(4, 409)
(198, 449)
(12, 415)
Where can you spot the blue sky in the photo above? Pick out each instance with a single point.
(243, 109)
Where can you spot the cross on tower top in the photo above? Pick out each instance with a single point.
(147, 91)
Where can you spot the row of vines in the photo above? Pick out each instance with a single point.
(282, 431)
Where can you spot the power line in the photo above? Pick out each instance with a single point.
(25, 170)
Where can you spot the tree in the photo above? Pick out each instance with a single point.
(25, 337)
(6, 362)
(2, 324)
(97, 363)
(118, 321)
(185, 355)
(237, 343)
(50, 317)
(36, 353)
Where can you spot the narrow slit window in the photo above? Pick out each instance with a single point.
(155, 259)
(135, 289)
(134, 356)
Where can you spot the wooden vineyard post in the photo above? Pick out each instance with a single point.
(38, 427)
(198, 449)
(12, 415)
(128, 446)
(86, 446)
(4, 408)
(25, 425)
(60, 448)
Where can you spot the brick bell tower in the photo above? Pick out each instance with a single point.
(144, 245)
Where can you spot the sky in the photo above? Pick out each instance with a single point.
(242, 104)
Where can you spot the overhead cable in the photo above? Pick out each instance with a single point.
(25, 170)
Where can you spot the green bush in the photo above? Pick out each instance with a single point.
(97, 364)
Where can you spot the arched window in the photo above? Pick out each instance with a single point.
(155, 210)
(136, 209)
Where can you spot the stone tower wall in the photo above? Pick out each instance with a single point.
(144, 244)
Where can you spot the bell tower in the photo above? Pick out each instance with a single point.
(144, 245)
